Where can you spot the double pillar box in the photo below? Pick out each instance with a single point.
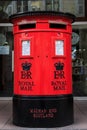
(42, 69)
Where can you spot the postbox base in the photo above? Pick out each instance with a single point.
(43, 112)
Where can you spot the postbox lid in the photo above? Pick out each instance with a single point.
(41, 13)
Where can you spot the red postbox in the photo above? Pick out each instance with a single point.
(42, 69)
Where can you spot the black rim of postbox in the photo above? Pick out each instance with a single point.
(40, 13)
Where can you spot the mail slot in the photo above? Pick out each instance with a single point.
(42, 69)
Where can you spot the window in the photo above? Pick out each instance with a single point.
(79, 59)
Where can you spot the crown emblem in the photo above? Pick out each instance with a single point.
(26, 66)
(59, 66)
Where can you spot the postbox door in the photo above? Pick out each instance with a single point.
(52, 64)
(42, 64)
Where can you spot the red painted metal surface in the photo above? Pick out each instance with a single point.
(45, 66)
